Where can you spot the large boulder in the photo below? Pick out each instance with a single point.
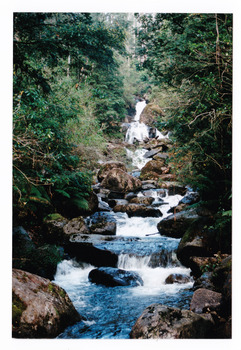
(175, 225)
(198, 241)
(39, 259)
(113, 277)
(205, 300)
(141, 210)
(153, 152)
(152, 170)
(58, 229)
(41, 309)
(163, 322)
(119, 181)
(105, 168)
(150, 113)
(177, 278)
(102, 223)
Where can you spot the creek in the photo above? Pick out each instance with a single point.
(110, 312)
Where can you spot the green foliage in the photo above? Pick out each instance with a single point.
(190, 55)
(67, 92)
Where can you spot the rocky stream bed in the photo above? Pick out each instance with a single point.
(136, 267)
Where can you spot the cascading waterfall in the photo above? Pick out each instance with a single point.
(140, 131)
(110, 312)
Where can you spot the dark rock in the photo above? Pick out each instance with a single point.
(173, 188)
(176, 225)
(190, 198)
(112, 277)
(58, 229)
(130, 195)
(102, 223)
(177, 278)
(205, 300)
(83, 249)
(197, 241)
(105, 168)
(138, 210)
(41, 260)
(199, 263)
(41, 309)
(153, 152)
(163, 322)
(204, 281)
(119, 181)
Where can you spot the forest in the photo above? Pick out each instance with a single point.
(76, 80)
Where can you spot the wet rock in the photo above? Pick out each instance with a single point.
(138, 210)
(159, 156)
(163, 322)
(39, 259)
(130, 195)
(204, 281)
(174, 187)
(106, 167)
(177, 278)
(175, 225)
(113, 277)
(86, 248)
(119, 181)
(58, 229)
(142, 200)
(198, 241)
(41, 309)
(205, 300)
(153, 152)
(152, 169)
(102, 223)
(190, 198)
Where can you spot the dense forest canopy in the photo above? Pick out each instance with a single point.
(76, 76)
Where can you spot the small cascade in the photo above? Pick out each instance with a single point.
(137, 157)
(130, 262)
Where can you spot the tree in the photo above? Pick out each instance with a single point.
(192, 54)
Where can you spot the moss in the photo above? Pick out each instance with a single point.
(17, 309)
(54, 216)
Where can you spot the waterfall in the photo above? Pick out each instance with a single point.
(140, 131)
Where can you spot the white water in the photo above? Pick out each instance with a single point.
(139, 108)
(137, 157)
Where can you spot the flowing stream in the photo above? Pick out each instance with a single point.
(110, 312)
